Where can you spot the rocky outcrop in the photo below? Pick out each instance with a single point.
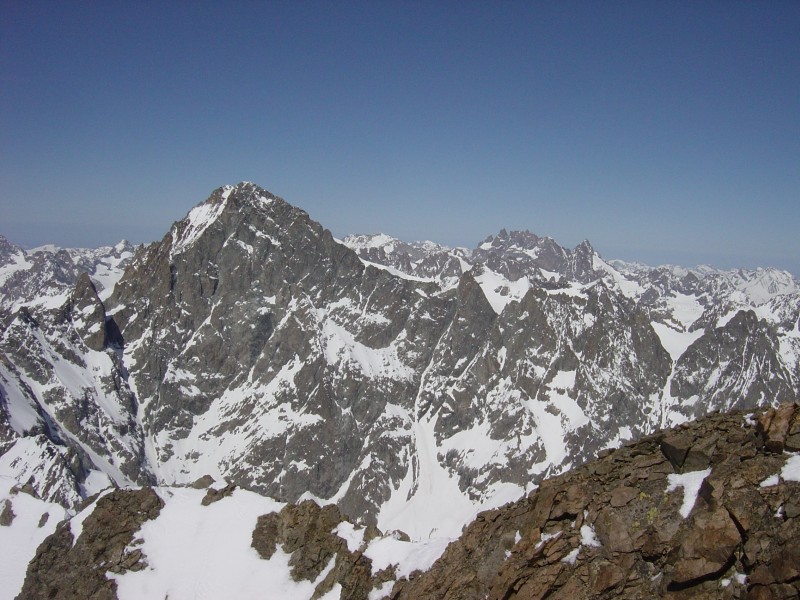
(306, 532)
(66, 568)
(705, 510)
(6, 514)
(629, 525)
(215, 495)
(88, 314)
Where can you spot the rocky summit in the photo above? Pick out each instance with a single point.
(410, 384)
(708, 509)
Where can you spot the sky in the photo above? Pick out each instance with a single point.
(664, 132)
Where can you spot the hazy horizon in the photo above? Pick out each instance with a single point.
(661, 132)
(471, 246)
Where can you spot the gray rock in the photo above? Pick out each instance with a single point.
(7, 514)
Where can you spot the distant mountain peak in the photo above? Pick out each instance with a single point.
(237, 198)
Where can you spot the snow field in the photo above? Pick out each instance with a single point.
(20, 539)
(204, 552)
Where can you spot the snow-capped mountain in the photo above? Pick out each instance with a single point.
(410, 384)
(45, 275)
(425, 260)
(682, 305)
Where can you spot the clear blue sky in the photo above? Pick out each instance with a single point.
(660, 131)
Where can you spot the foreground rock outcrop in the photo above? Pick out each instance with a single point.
(709, 509)
(629, 525)
(307, 532)
(73, 562)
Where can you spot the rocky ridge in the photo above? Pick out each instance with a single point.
(72, 562)
(707, 509)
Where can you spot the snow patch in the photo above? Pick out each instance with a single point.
(770, 481)
(34, 520)
(791, 469)
(789, 472)
(381, 591)
(684, 308)
(499, 291)
(195, 551)
(437, 508)
(198, 220)
(572, 556)
(690, 482)
(352, 536)
(406, 556)
(675, 342)
(96, 482)
(589, 537)
(340, 346)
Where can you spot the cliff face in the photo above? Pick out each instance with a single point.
(710, 509)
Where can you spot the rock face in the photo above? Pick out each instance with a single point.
(89, 314)
(642, 521)
(629, 525)
(305, 531)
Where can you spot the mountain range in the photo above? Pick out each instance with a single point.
(412, 385)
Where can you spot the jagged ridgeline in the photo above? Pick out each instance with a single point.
(410, 384)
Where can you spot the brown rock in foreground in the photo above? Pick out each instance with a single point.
(68, 569)
(610, 529)
(306, 531)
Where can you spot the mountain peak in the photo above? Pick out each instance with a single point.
(365, 241)
(201, 217)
